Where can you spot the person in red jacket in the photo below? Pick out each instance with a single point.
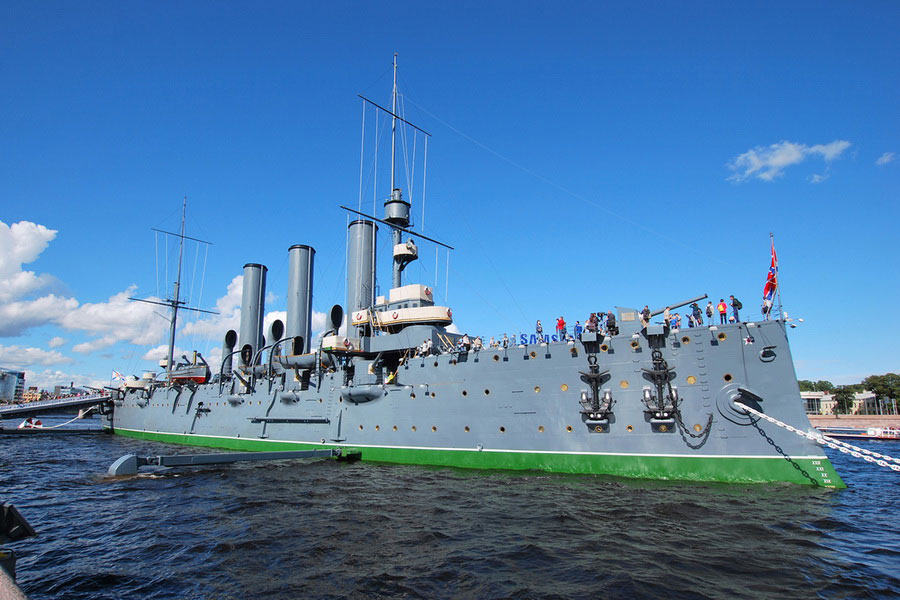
(723, 310)
(561, 329)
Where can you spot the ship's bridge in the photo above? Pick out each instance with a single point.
(407, 305)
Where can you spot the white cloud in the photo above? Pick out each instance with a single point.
(162, 351)
(49, 378)
(16, 317)
(21, 243)
(816, 178)
(768, 163)
(18, 357)
(886, 158)
(56, 342)
(118, 319)
(229, 317)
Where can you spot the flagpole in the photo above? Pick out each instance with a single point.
(777, 278)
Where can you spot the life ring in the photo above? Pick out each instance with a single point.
(395, 315)
(359, 316)
(427, 291)
(347, 343)
(449, 313)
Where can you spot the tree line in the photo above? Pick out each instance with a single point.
(886, 389)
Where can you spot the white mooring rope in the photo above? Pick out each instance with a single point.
(882, 460)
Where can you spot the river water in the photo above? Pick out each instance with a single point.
(323, 529)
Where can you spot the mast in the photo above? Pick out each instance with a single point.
(395, 196)
(394, 124)
(175, 300)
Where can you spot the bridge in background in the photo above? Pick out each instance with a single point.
(30, 409)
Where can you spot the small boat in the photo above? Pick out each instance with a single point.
(30, 423)
(862, 433)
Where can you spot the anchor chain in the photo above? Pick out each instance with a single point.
(882, 460)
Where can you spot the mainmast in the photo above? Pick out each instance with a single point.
(175, 300)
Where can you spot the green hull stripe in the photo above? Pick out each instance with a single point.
(808, 471)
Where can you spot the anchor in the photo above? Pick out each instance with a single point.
(661, 406)
(595, 407)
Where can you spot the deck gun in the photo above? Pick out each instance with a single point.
(679, 305)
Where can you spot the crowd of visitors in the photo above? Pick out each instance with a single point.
(600, 322)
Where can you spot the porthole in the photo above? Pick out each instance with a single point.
(663, 428)
(360, 427)
(698, 428)
(412, 395)
(433, 428)
(502, 429)
(598, 428)
(433, 394)
(487, 392)
(564, 387)
(574, 351)
(722, 335)
(395, 428)
(496, 358)
(537, 389)
(540, 429)
(320, 401)
(727, 377)
(623, 384)
(532, 354)
(686, 340)
(413, 427)
(465, 393)
(691, 379)
(378, 428)
(635, 345)
(569, 428)
(630, 428)
(604, 347)
(466, 429)
(435, 363)
(340, 400)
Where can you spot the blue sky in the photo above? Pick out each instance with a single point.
(584, 155)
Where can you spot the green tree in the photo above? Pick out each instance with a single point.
(806, 385)
(824, 386)
(885, 387)
(843, 400)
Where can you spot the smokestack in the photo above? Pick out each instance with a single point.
(253, 306)
(361, 265)
(227, 349)
(299, 295)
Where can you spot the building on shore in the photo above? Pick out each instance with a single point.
(12, 385)
(864, 403)
(34, 395)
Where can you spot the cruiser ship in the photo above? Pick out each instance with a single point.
(392, 381)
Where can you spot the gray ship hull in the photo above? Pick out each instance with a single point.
(520, 408)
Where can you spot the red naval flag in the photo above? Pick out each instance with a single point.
(771, 279)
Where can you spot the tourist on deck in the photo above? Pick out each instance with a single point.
(645, 316)
(677, 321)
(723, 311)
(591, 324)
(505, 342)
(766, 309)
(539, 330)
(611, 326)
(709, 312)
(736, 306)
(478, 344)
(698, 314)
(578, 330)
(561, 328)
(466, 342)
(666, 317)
